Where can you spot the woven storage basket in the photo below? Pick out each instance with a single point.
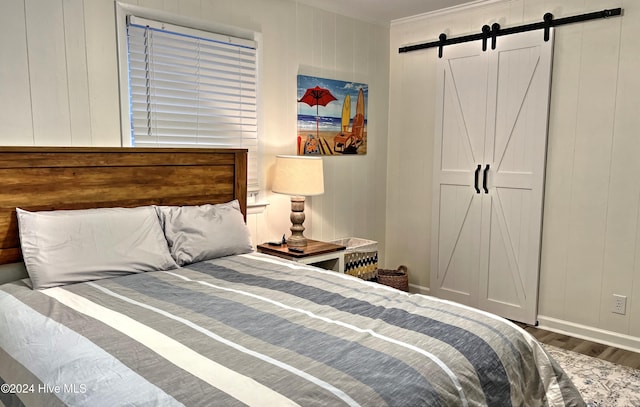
(360, 257)
(395, 278)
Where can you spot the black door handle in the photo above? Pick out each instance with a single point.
(476, 177)
(484, 179)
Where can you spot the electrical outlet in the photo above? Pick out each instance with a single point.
(619, 304)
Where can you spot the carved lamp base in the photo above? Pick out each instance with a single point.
(297, 239)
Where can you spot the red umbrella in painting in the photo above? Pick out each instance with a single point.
(317, 97)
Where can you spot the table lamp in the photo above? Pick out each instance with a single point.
(298, 176)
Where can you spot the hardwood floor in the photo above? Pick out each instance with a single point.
(594, 349)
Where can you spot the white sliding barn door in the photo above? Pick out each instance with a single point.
(462, 95)
(491, 133)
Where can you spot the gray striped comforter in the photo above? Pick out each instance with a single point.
(255, 330)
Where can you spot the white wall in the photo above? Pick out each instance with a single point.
(59, 86)
(591, 236)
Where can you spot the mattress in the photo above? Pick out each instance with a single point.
(261, 331)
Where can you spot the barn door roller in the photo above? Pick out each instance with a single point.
(491, 33)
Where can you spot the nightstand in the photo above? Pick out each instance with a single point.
(325, 255)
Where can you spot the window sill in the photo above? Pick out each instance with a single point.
(255, 208)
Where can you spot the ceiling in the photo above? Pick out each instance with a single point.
(382, 11)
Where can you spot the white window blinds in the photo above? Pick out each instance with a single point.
(191, 88)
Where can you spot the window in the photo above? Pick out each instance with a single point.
(191, 88)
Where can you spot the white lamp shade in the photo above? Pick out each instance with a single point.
(298, 175)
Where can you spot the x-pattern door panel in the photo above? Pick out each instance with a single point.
(516, 148)
(458, 211)
(489, 178)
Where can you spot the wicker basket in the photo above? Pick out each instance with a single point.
(360, 258)
(395, 278)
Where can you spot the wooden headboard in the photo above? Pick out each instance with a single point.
(52, 178)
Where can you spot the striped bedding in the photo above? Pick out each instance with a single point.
(259, 331)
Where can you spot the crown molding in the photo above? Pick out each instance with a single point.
(448, 10)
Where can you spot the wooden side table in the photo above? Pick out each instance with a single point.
(325, 255)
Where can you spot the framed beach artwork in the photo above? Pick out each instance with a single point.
(332, 116)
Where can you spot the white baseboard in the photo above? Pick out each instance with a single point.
(589, 333)
(415, 288)
(609, 338)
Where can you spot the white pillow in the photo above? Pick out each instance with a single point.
(70, 246)
(204, 232)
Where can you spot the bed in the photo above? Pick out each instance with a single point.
(223, 329)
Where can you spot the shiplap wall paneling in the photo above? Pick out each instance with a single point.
(633, 304)
(591, 171)
(102, 67)
(61, 85)
(410, 152)
(339, 170)
(591, 228)
(352, 183)
(349, 169)
(560, 160)
(605, 38)
(373, 178)
(621, 275)
(626, 152)
(48, 72)
(15, 95)
(77, 72)
(321, 33)
(189, 8)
